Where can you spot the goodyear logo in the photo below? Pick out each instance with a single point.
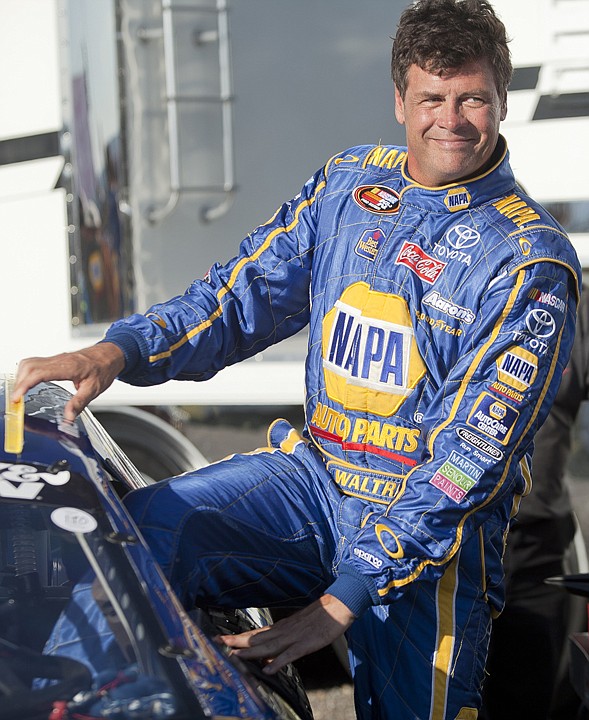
(369, 243)
(517, 368)
(493, 418)
(457, 199)
(370, 357)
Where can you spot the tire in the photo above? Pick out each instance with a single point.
(156, 448)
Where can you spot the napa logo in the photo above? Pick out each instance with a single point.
(517, 368)
(370, 357)
(457, 199)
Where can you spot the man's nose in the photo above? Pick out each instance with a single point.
(451, 115)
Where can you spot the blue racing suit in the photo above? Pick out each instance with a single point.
(440, 321)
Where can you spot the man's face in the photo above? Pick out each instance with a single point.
(451, 122)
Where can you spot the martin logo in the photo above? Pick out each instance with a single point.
(423, 265)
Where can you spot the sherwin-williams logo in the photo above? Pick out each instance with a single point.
(370, 357)
(377, 199)
(369, 243)
(517, 368)
(423, 265)
(457, 199)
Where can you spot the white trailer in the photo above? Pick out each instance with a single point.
(140, 140)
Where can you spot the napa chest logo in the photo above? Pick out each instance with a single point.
(377, 199)
(370, 358)
(457, 199)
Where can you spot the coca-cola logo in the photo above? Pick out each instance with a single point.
(423, 265)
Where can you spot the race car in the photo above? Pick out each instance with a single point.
(89, 626)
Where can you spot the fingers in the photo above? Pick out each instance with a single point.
(92, 370)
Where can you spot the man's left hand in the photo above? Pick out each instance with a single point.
(289, 639)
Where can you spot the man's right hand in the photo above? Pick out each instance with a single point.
(92, 370)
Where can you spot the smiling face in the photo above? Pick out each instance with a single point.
(451, 122)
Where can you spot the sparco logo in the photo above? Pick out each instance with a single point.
(461, 237)
(435, 300)
(540, 323)
(422, 264)
(363, 555)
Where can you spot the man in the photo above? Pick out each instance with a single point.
(431, 363)
(529, 638)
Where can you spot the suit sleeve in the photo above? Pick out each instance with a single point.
(257, 299)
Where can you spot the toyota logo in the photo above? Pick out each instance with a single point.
(461, 237)
(540, 323)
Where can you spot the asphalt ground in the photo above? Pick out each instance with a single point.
(218, 432)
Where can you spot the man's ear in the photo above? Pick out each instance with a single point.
(504, 108)
(399, 107)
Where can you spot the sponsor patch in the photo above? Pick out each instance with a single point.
(517, 368)
(508, 392)
(457, 199)
(369, 243)
(493, 418)
(423, 265)
(457, 476)
(514, 208)
(370, 357)
(363, 435)
(25, 482)
(377, 199)
(377, 488)
(368, 557)
(548, 299)
(540, 323)
(457, 312)
(480, 444)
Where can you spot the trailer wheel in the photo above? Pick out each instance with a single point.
(155, 447)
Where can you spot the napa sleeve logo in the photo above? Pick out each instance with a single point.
(517, 368)
(370, 358)
(369, 243)
(377, 199)
(457, 199)
(493, 418)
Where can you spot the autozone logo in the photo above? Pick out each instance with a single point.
(423, 265)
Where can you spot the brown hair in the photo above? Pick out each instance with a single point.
(443, 35)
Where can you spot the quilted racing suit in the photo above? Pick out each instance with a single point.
(440, 321)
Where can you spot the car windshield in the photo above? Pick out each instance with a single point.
(72, 617)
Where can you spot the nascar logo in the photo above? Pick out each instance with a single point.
(377, 199)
